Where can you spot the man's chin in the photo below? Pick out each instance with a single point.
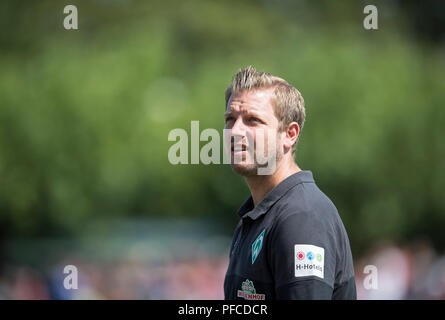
(246, 170)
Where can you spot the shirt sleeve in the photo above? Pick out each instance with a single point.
(302, 257)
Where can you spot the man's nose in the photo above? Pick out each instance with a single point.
(238, 128)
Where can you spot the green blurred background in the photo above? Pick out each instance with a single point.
(85, 115)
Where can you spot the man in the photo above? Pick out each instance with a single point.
(290, 242)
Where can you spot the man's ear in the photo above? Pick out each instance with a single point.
(290, 135)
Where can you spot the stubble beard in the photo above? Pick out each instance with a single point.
(249, 170)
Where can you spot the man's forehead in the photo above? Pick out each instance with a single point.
(258, 100)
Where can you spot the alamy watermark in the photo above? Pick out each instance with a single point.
(371, 20)
(71, 280)
(70, 21)
(259, 150)
(371, 281)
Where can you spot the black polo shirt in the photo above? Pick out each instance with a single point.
(292, 245)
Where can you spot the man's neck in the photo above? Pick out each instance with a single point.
(260, 185)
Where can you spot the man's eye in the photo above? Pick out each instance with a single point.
(255, 119)
(229, 119)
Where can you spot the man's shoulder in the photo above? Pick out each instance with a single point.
(306, 201)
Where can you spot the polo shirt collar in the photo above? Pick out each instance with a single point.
(248, 209)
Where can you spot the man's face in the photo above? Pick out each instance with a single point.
(251, 120)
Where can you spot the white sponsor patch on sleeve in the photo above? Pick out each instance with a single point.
(309, 260)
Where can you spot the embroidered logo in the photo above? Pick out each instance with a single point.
(248, 291)
(257, 245)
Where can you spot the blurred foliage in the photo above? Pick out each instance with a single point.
(85, 115)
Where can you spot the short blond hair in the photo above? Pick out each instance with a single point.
(287, 100)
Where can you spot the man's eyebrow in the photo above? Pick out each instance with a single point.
(227, 113)
(253, 113)
(248, 113)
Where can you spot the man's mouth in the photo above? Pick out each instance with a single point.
(239, 147)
